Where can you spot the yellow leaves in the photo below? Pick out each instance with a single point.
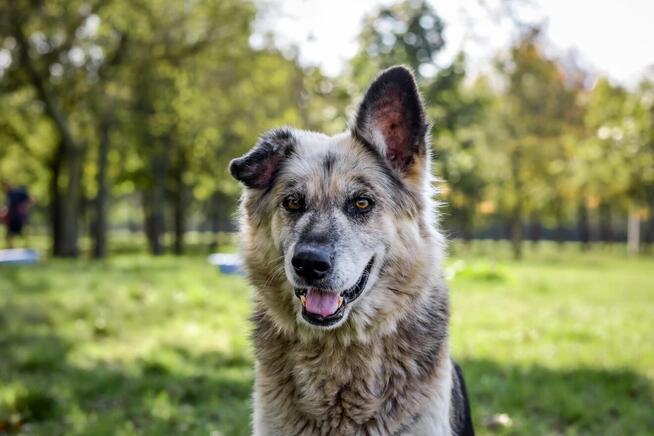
(487, 207)
(593, 201)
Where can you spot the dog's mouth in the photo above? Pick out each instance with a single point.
(323, 307)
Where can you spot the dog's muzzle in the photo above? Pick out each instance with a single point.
(323, 307)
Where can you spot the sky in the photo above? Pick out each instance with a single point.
(615, 38)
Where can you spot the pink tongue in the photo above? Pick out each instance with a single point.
(321, 303)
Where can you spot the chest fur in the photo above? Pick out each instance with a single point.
(339, 385)
(355, 390)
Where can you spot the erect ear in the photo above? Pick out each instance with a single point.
(392, 118)
(257, 168)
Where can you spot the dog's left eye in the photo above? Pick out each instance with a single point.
(293, 203)
(362, 204)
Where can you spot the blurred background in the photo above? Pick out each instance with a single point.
(118, 119)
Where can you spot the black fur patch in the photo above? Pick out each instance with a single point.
(461, 419)
(257, 169)
(328, 163)
(393, 107)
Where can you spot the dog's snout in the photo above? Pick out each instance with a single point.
(311, 263)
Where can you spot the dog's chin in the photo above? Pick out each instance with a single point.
(328, 309)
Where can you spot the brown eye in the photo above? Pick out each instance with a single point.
(362, 203)
(293, 204)
(359, 206)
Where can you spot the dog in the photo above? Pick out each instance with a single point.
(340, 239)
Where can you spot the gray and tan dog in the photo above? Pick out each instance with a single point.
(341, 241)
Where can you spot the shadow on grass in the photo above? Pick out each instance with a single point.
(171, 391)
(20, 278)
(540, 400)
(210, 391)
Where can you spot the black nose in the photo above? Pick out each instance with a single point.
(311, 263)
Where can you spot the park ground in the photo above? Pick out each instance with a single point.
(557, 344)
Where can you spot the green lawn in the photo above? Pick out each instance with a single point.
(561, 343)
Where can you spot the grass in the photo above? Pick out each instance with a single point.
(559, 343)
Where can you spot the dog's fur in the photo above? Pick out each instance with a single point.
(383, 367)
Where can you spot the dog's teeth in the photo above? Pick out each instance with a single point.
(340, 301)
(303, 300)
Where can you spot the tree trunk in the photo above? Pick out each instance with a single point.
(154, 195)
(560, 225)
(70, 205)
(65, 226)
(178, 224)
(179, 203)
(648, 237)
(633, 233)
(516, 235)
(156, 206)
(605, 224)
(64, 206)
(55, 200)
(516, 217)
(146, 201)
(101, 199)
(535, 230)
(583, 226)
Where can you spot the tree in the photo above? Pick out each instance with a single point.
(58, 55)
(411, 33)
(532, 111)
(102, 68)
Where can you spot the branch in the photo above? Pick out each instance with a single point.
(71, 29)
(39, 84)
(119, 55)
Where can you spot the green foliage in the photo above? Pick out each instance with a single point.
(409, 32)
(149, 97)
(618, 150)
(112, 105)
(533, 113)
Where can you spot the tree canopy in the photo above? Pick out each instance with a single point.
(126, 113)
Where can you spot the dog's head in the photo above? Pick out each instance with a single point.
(337, 230)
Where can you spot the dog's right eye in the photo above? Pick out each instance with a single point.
(293, 203)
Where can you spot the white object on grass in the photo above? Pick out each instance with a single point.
(227, 263)
(19, 256)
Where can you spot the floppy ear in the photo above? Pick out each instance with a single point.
(391, 118)
(257, 168)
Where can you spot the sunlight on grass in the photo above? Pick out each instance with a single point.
(557, 344)
(158, 343)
